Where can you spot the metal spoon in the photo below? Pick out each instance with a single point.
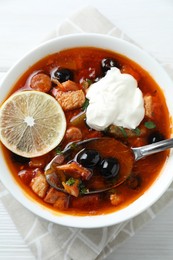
(126, 156)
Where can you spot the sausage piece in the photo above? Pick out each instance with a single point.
(73, 134)
(41, 82)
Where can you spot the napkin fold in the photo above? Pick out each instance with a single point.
(52, 241)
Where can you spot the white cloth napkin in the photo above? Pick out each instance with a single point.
(51, 241)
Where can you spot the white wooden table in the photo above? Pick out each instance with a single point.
(23, 24)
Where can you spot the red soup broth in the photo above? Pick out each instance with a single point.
(85, 65)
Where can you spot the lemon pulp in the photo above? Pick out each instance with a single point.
(32, 123)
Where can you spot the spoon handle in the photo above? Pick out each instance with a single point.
(140, 152)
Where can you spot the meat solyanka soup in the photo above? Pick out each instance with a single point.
(101, 94)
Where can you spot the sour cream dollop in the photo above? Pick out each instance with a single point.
(115, 99)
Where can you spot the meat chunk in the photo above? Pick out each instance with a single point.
(39, 162)
(57, 198)
(51, 196)
(116, 199)
(65, 86)
(70, 85)
(41, 82)
(71, 99)
(62, 202)
(39, 185)
(75, 170)
(148, 104)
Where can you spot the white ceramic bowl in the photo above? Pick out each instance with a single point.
(140, 57)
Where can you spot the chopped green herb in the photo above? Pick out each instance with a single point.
(137, 131)
(58, 150)
(150, 125)
(73, 146)
(70, 182)
(89, 81)
(82, 188)
(85, 105)
(123, 131)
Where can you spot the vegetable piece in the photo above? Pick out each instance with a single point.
(123, 131)
(82, 188)
(70, 182)
(75, 170)
(58, 150)
(78, 120)
(86, 83)
(71, 99)
(137, 131)
(149, 124)
(41, 82)
(86, 104)
(39, 185)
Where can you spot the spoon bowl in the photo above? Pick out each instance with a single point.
(97, 183)
(125, 155)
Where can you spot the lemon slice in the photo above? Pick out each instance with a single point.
(32, 123)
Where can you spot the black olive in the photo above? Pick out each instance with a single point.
(63, 75)
(88, 158)
(155, 137)
(109, 167)
(108, 63)
(19, 159)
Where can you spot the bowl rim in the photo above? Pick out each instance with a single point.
(105, 42)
